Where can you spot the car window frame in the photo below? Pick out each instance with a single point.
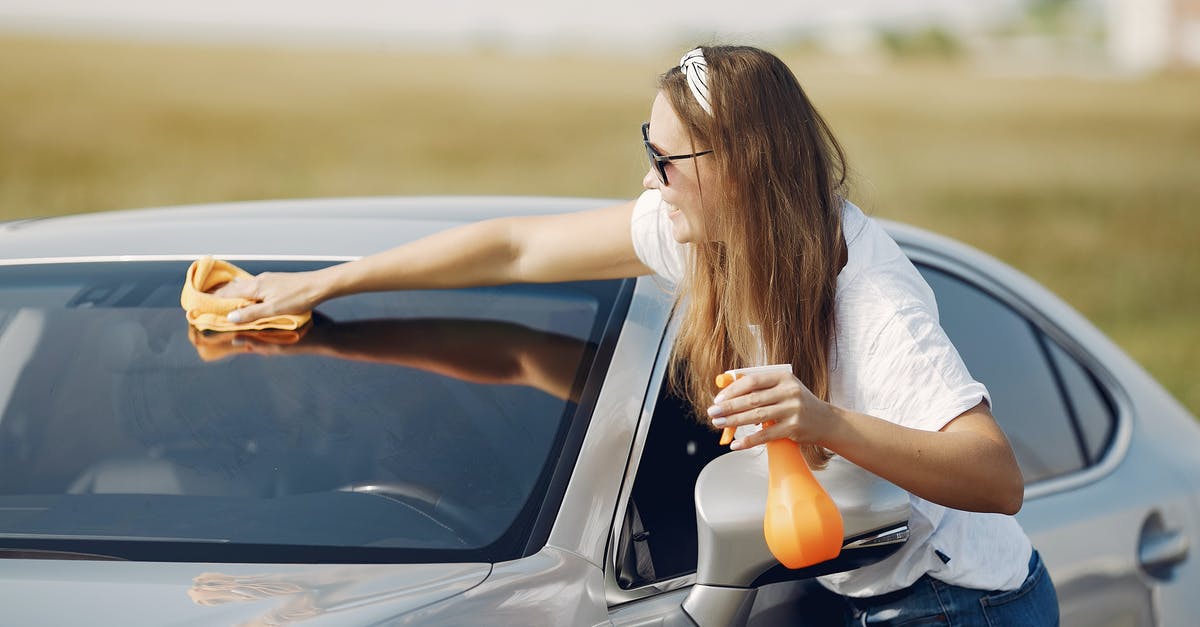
(615, 595)
(1119, 399)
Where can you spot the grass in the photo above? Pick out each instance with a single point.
(1090, 186)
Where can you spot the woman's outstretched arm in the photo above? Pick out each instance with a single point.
(586, 245)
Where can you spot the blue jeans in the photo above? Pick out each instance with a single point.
(932, 602)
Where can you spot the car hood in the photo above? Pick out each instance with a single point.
(69, 592)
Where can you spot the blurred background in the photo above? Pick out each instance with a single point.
(1062, 136)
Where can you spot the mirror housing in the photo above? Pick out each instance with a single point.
(733, 558)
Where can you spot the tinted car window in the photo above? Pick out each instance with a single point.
(1003, 351)
(1091, 408)
(403, 426)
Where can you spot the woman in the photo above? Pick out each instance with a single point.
(744, 211)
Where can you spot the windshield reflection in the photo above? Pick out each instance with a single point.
(476, 351)
(303, 595)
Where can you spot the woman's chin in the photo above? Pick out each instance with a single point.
(680, 230)
(681, 233)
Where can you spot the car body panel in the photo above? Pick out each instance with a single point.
(54, 592)
(551, 587)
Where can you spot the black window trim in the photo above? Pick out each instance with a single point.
(1043, 342)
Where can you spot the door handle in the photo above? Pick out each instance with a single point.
(1161, 547)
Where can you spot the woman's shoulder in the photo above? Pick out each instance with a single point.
(876, 267)
(879, 284)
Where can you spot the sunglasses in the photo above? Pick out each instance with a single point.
(659, 160)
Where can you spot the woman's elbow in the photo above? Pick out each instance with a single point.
(1009, 494)
(1012, 501)
(997, 499)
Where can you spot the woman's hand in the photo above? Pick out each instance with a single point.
(275, 293)
(777, 397)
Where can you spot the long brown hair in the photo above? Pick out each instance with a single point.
(778, 246)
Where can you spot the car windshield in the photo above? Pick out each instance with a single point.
(396, 427)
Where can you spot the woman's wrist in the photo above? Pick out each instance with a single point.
(837, 427)
(332, 282)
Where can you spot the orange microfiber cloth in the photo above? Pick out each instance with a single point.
(207, 312)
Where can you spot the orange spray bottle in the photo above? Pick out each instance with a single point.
(802, 524)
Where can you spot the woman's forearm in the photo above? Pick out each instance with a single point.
(969, 465)
(479, 253)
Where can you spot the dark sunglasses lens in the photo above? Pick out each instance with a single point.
(658, 166)
(652, 154)
(655, 163)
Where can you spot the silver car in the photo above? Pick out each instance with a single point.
(507, 455)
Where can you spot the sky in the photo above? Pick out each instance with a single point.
(619, 24)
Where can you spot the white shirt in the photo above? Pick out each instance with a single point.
(891, 360)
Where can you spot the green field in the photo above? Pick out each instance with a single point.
(1092, 186)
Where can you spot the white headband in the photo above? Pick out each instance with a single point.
(695, 69)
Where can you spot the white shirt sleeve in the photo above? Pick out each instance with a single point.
(892, 358)
(913, 375)
(652, 239)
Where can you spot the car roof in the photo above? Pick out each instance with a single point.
(326, 227)
(329, 228)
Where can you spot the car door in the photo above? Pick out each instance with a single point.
(1096, 499)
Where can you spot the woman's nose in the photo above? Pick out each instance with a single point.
(650, 181)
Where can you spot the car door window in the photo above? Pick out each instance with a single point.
(1046, 402)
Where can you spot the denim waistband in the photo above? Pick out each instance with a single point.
(864, 603)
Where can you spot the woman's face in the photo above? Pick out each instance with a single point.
(691, 214)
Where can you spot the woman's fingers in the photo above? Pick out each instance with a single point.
(275, 292)
(237, 288)
(251, 312)
(754, 391)
(248, 289)
(752, 407)
(749, 383)
(776, 398)
(762, 436)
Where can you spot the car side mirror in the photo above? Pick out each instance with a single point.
(733, 558)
